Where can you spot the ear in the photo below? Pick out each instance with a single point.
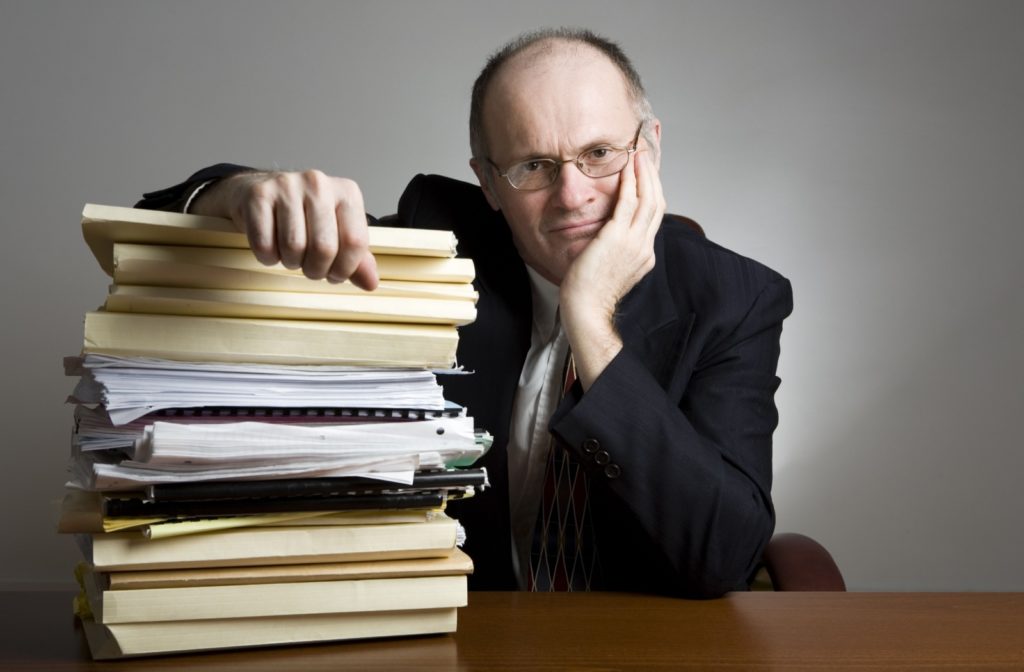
(485, 183)
(654, 137)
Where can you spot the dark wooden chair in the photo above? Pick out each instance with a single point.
(797, 562)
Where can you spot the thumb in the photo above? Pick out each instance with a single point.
(365, 276)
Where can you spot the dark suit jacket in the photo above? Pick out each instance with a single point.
(675, 434)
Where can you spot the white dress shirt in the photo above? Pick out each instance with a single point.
(538, 394)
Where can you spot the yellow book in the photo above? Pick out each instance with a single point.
(365, 307)
(174, 528)
(276, 545)
(454, 563)
(193, 603)
(142, 639)
(104, 225)
(227, 339)
(186, 266)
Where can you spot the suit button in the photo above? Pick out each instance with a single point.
(602, 458)
(613, 471)
(590, 446)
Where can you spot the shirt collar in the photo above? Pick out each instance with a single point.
(545, 304)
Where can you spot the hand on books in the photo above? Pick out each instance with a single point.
(305, 220)
(613, 262)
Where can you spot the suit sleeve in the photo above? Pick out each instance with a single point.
(173, 199)
(691, 469)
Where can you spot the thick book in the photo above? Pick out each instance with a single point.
(104, 225)
(454, 563)
(366, 307)
(193, 603)
(229, 339)
(232, 268)
(174, 274)
(273, 546)
(142, 639)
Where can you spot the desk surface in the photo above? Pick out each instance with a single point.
(606, 631)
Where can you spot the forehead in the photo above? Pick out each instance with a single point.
(554, 99)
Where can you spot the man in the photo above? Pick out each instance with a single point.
(675, 340)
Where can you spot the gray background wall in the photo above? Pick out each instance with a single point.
(870, 150)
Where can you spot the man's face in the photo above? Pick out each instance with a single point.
(555, 105)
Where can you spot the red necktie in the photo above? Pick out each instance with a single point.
(563, 556)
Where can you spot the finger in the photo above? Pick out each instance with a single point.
(651, 201)
(321, 233)
(353, 234)
(365, 276)
(290, 220)
(651, 185)
(626, 203)
(256, 215)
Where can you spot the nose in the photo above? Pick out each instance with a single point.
(572, 189)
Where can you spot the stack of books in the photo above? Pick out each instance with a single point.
(259, 458)
(187, 287)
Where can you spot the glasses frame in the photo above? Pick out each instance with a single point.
(578, 162)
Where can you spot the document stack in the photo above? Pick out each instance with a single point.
(259, 458)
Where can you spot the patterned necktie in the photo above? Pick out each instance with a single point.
(563, 556)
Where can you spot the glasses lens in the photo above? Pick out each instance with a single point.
(603, 161)
(535, 174)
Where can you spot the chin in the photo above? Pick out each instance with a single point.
(575, 248)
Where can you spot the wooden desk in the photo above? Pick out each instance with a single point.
(602, 631)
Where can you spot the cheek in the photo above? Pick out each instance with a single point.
(526, 218)
(609, 186)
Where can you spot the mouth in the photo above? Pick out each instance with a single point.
(576, 228)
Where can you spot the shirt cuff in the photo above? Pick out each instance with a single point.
(195, 192)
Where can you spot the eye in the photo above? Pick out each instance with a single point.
(598, 154)
(532, 166)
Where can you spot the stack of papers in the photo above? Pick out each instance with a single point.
(132, 387)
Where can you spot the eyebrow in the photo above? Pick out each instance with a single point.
(552, 157)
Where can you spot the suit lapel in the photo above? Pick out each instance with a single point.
(650, 325)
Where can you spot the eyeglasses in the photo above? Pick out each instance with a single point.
(595, 162)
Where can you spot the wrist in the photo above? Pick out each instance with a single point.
(187, 208)
(594, 342)
(213, 197)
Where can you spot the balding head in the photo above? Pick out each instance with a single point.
(544, 48)
(551, 100)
